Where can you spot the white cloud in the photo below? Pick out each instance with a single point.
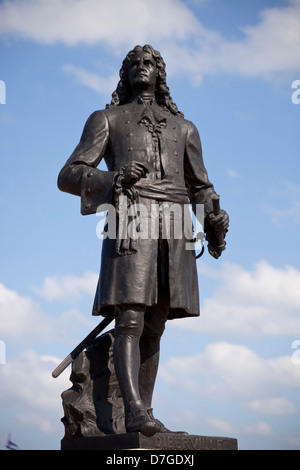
(266, 49)
(114, 22)
(261, 428)
(23, 320)
(21, 317)
(28, 390)
(92, 80)
(269, 46)
(272, 406)
(230, 371)
(264, 301)
(31, 393)
(221, 426)
(68, 287)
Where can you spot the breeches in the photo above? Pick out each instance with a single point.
(137, 320)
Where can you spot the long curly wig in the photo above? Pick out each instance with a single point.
(162, 93)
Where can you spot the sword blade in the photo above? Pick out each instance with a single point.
(82, 345)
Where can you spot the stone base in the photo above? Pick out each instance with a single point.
(160, 441)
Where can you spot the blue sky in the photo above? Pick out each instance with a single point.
(230, 69)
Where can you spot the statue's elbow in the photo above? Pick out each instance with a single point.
(69, 180)
(65, 180)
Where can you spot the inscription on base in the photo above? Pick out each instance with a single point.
(187, 442)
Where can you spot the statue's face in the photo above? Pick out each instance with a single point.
(142, 71)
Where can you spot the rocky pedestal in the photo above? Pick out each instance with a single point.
(94, 411)
(93, 406)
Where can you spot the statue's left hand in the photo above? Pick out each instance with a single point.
(216, 229)
(218, 222)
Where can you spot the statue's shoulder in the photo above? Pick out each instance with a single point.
(113, 113)
(191, 127)
(96, 117)
(103, 118)
(182, 122)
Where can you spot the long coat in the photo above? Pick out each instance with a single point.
(170, 147)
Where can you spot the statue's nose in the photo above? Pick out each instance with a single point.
(141, 66)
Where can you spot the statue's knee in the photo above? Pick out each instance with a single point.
(154, 327)
(130, 322)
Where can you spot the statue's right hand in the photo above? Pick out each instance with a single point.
(132, 173)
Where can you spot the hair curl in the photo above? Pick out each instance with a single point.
(162, 93)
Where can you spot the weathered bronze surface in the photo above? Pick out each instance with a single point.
(154, 159)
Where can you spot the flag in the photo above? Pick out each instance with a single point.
(11, 445)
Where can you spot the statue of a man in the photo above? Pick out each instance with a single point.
(152, 153)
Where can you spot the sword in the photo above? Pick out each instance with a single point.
(81, 346)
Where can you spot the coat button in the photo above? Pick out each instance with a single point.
(90, 174)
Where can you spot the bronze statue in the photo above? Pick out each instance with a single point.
(153, 156)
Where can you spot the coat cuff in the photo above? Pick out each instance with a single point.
(97, 187)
